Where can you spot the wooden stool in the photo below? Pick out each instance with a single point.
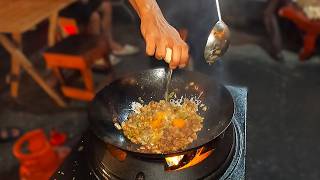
(311, 29)
(77, 52)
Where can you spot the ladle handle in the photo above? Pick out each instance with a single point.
(218, 10)
(168, 58)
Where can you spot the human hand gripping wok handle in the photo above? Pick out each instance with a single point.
(162, 40)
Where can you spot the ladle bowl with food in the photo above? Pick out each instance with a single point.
(132, 115)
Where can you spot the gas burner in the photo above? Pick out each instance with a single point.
(108, 162)
(222, 158)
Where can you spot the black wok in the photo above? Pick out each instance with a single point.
(112, 104)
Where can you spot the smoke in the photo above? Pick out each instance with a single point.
(199, 16)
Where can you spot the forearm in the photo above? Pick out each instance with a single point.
(144, 7)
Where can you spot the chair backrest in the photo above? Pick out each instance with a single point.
(67, 26)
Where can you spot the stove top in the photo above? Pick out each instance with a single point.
(227, 161)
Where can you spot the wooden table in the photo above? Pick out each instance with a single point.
(17, 17)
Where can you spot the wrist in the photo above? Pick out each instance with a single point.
(149, 9)
(154, 16)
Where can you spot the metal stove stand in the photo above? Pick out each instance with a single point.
(76, 166)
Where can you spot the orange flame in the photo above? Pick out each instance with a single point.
(199, 157)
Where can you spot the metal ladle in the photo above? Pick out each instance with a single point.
(218, 40)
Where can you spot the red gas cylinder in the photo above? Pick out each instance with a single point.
(38, 160)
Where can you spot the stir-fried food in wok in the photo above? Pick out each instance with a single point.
(162, 127)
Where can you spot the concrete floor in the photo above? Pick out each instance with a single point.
(283, 116)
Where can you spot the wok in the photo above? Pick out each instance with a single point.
(112, 104)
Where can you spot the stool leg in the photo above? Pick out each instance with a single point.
(309, 41)
(15, 68)
(57, 73)
(87, 78)
(14, 77)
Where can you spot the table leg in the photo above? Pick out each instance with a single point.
(27, 66)
(52, 29)
(15, 68)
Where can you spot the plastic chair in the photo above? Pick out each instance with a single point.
(310, 28)
(40, 161)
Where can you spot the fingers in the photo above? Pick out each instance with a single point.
(161, 49)
(184, 56)
(176, 55)
(178, 50)
(150, 46)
